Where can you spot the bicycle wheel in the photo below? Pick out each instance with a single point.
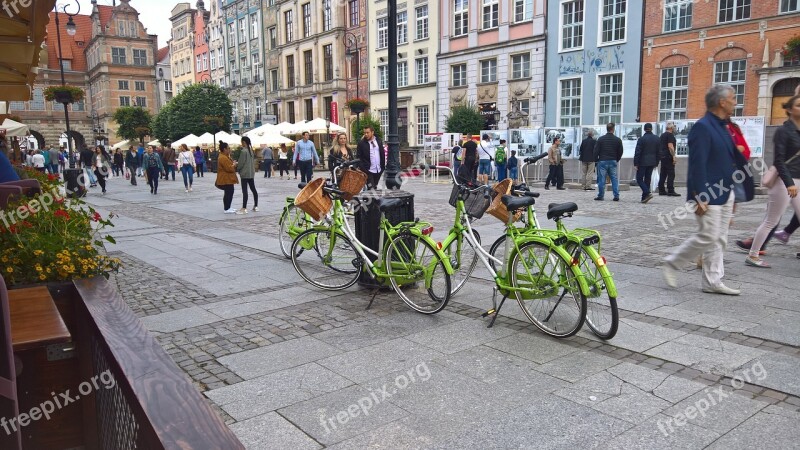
(325, 260)
(602, 315)
(417, 273)
(463, 261)
(498, 250)
(292, 223)
(551, 297)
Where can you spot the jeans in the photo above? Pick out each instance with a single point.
(485, 167)
(201, 169)
(501, 172)
(372, 180)
(644, 178)
(252, 183)
(586, 174)
(267, 168)
(188, 175)
(556, 175)
(456, 165)
(54, 168)
(512, 173)
(152, 179)
(101, 178)
(227, 197)
(306, 170)
(667, 176)
(132, 170)
(608, 167)
(283, 165)
(777, 203)
(90, 175)
(170, 168)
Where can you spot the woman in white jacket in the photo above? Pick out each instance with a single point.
(187, 164)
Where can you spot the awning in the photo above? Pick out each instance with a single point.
(14, 128)
(21, 37)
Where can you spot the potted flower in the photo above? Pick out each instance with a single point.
(792, 48)
(51, 238)
(357, 105)
(63, 94)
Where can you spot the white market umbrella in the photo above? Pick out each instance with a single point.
(206, 139)
(270, 139)
(155, 142)
(266, 128)
(190, 141)
(318, 126)
(14, 128)
(230, 139)
(284, 127)
(125, 144)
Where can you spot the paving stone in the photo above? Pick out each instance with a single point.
(179, 320)
(576, 366)
(638, 336)
(244, 306)
(706, 320)
(641, 377)
(656, 433)
(534, 347)
(457, 336)
(763, 430)
(674, 389)
(276, 357)
(271, 431)
(377, 360)
(352, 337)
(774, 371)
(723, 411)
(703, 352)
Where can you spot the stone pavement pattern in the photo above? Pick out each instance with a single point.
(289, 366)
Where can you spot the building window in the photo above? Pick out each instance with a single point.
(459, 75)
(309, 109)
(78, 106)
(327, 52)
(328, 103)
(256, 68)
(788, 6)
(308, 63)
(354, 19)
(289, 20)
(246, 110)
(423, 126)
(572, 25)
(523, 10)
(273, 38)
(402, 27)
(488, 71)
(402, 74)
(731, 10)
(138, 85)
(570, 103)
(124, 100)
(37, 102)
(140, 57)
(118, 55)
(460, 17)
(384, 117)
(213, 61)
(291, 114)
(290, 71)
(610, 99)
(733, 74)
(199, 64)
(121, 30)
(235, 112)
(67, 64)
(306, 19)
(167, 86)
(354, 65)
(383, 77)
(674, 93)
(490, 15)
(220, 59)
(421, 15)
(326, 15)
(422, 70)
(141, 102)
(677, 15)
(273, 79)
(254, 26)
(613, 21)
(123, 85)
(242, 30)
(525, 106)
(383, 32)
(521, 66)
(258, 109)
(231, 35)
(205, 61)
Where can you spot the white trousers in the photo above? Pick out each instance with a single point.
(710, 241)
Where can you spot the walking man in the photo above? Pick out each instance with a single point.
(668, 161)
(371, 158)
(608, 151)
(709, 184)
(170, 158)
(53, 159)
(86, 160)
(154, 168)
(305, 157)
(131, 163)
(645, 160)
(587, 160)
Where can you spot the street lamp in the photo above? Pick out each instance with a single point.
(71, 174)
(393, 180)
(328, 127)
(97, 129)
(496, 116)
(351, 43)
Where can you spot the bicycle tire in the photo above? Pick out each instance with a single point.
(557, 315)
(463, 264)
(497, 246)
(417, 273)
(335, 271)
(602, 315)
(292, 217)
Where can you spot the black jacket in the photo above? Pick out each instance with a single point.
(131, 159)
(587, 150)
(86, 157)
(647, 149)
(363, 152)
(787, 144)
(608, 148)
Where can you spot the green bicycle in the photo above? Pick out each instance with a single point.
(329, 256)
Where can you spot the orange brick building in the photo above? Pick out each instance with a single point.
(690, 45)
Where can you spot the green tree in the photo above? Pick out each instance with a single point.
(185, 113)
(160, 124)
(366, 120)
(464, 118)
(134, 122)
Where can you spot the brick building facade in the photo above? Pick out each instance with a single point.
(689, 45)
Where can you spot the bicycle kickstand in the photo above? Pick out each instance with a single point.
(374, 293)
(495, 308)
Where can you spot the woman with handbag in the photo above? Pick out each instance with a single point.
(226, 177)
(187, 165)
(782, 178)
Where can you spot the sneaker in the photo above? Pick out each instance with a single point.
(670, 275)
(562, 189)
(255, 208)
(648, 198)
(616, 199)
(190, 189)
(599, 199)
(745, 245)
(782, 236)
(546, 187)
(241, 211)
(230, 211)
(798, 255)
(722, 289)
(186, 190)
(663, 193)
(588, 189)
(673, 194)
(756, 262)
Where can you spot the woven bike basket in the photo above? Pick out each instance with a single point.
(352, 182)
(313, 200)
(497, 208)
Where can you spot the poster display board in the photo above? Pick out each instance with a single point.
(753, 131)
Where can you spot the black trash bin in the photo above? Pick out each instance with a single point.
(368, 218)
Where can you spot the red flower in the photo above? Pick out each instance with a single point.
(96, 217)
(13, 229)
(26, 224)
(52, 176)
(60, 200)
(61, 213)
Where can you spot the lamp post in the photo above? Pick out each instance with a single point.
(496, 116)
(393, 165)
(351, 43)
(98, 130)
(70, 174)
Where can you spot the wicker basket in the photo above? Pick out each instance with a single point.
(497, 208)
(313, 200)
(352, 182)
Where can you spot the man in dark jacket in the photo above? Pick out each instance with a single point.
(469, 161)
(169, 159)
(86, 161)
(607, 152)
(587, 159)
(645, 160)
(371, 158)
(132, 163)
(668, 161)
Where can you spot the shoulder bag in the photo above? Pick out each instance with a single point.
(771, 175)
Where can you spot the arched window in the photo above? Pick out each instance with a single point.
(781, 92)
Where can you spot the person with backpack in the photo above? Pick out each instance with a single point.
(153, 168)
(500, 160)
(457, 152)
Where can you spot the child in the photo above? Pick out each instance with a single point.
(512, 165)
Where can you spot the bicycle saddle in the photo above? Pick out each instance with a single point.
(386, 204)
(556, 210)
(515, 203)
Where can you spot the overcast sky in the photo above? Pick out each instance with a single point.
(154, 14)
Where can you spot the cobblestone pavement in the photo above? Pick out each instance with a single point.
(287, 365)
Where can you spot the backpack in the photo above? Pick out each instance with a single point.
(500, 156)
(457, 152)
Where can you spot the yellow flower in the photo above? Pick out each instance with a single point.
(10, 269)
(42, 277)
(38, 252)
